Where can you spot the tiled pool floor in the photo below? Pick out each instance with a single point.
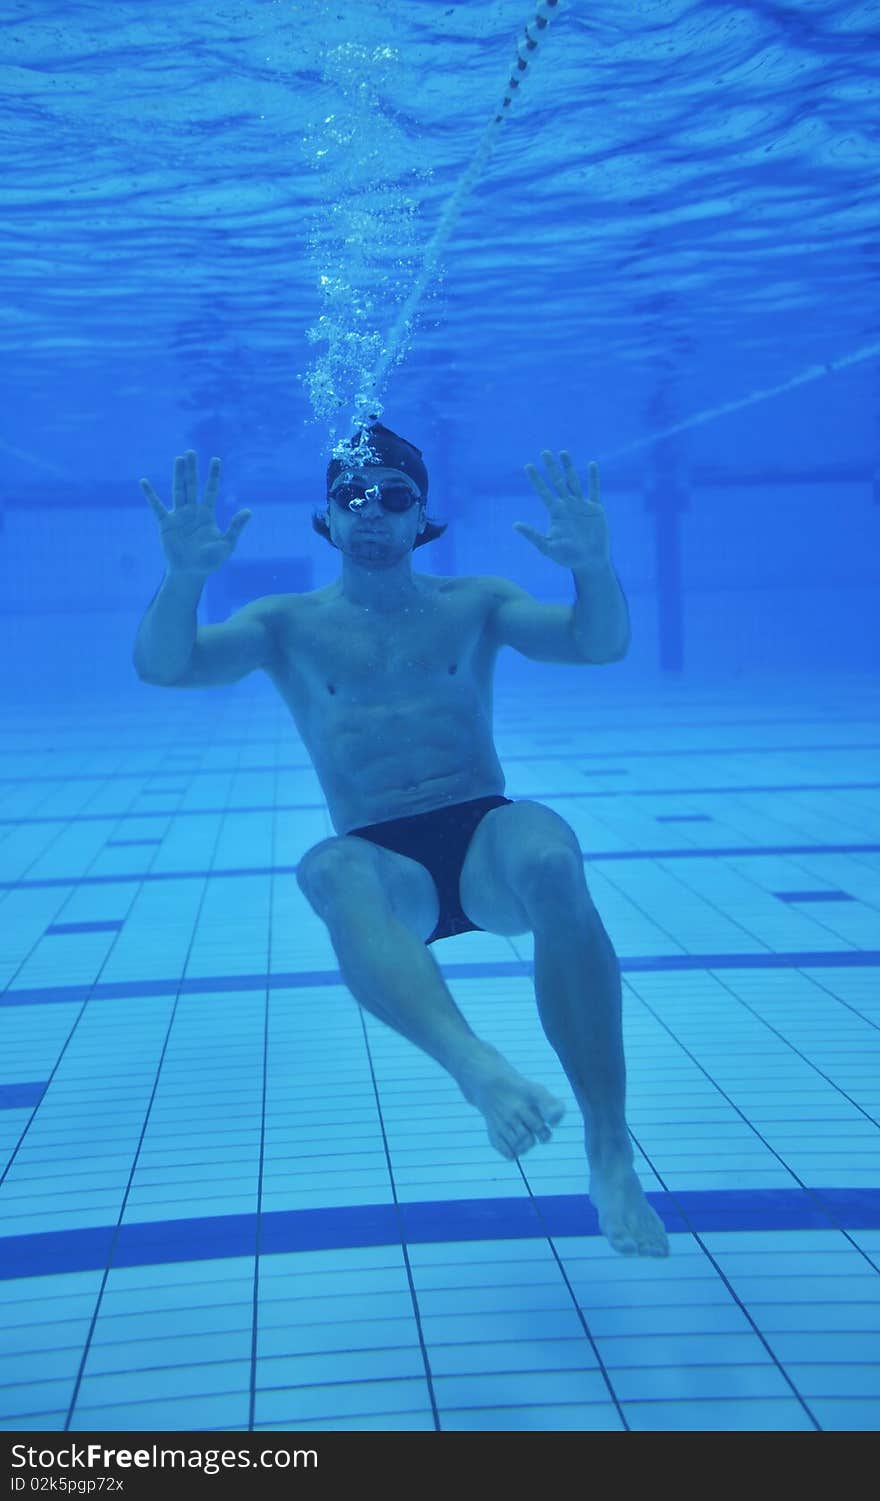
(232, 1200)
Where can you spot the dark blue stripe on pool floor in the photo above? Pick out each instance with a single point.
(554, 796)
(733, 851)
(120, 844)
(512, 968)
(619, 754)
(813, 896)
(21, 1096)
(683, 818)
(107, 926)
(159, 1243)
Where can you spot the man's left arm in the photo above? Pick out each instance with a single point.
(578, 539)
(601, 615)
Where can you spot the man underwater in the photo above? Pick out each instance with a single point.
(388, 677)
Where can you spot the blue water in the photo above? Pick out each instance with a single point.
(200, 1128)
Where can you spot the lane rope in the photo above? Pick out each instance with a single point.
(710, 414)
(528, 44)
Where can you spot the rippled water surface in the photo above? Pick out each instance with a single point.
(680, 186)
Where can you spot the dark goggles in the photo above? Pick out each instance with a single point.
(392, 495)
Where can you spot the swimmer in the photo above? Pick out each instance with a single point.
(387, 674)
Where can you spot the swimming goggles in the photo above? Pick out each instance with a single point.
(393, 495)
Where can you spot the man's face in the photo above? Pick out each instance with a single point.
(368, 533)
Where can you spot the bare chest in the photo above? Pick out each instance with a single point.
(376, 656)
(394, 708)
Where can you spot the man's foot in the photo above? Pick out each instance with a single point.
(625, 1216)
(517, 1113)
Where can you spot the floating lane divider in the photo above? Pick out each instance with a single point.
(725, 408)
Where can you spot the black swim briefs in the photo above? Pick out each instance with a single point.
(439, 840)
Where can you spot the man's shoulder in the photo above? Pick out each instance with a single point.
(492, 587)
(281, 616)
(472, 584)
(483, 593)
(282, 607)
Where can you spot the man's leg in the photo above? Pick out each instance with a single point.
(529, 859)
(577, 985)
(365, 895)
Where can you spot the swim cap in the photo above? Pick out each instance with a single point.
(392, 452)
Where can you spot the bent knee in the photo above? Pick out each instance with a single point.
(332, 868)
(554, 874)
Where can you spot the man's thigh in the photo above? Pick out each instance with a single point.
(346, 869)
(509, 845)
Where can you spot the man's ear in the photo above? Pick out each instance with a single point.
(423, 517)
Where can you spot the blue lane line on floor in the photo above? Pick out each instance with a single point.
(317, 807)
(198, 746)
(683, 818)
(121, 844)
(231, 872)
(813, 896)
(159, 1243)
(733, 851)
(22, 1096)
(107, 926)
(619, 754)
(506, 969)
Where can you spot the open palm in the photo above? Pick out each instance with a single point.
(578, 531)
(191, 538)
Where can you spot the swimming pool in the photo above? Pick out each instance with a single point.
(231, 1199)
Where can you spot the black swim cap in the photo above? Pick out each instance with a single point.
(393, 452)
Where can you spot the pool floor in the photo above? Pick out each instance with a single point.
(232, 1200)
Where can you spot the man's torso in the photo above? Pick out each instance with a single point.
(394, 707)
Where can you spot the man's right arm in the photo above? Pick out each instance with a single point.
(172, 651)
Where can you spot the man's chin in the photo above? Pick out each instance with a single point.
(376, 549)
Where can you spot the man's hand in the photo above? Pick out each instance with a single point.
(578, 535)
(191, 539)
